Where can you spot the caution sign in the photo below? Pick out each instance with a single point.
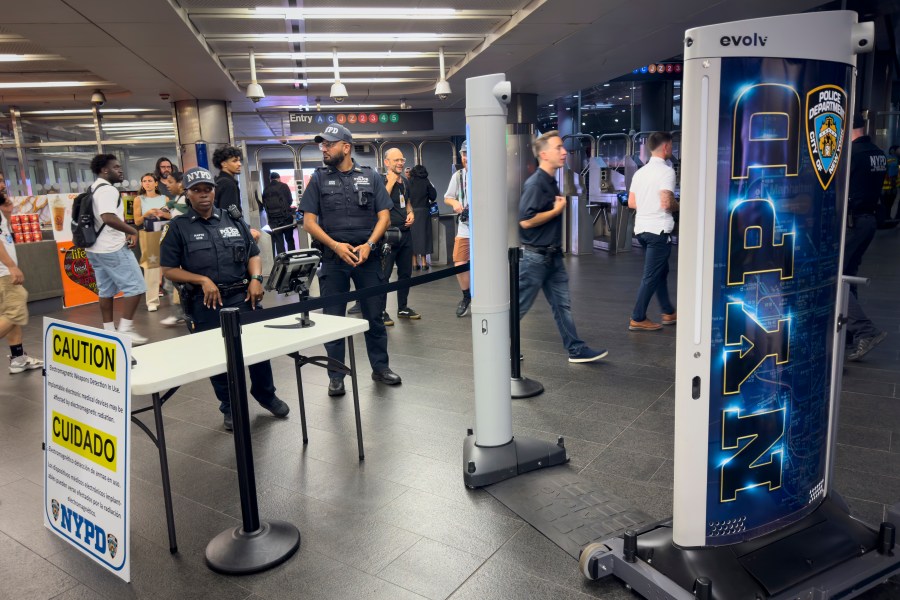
(87, 439)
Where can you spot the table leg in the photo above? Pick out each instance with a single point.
(359, 439)
(164, 467)
(297, 366)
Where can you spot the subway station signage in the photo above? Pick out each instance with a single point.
(87, 425)
(362, 121)
(780, 192)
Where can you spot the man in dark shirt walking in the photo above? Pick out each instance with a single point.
(868, 166)
(277, 200)
(228, 161)
(540, 231)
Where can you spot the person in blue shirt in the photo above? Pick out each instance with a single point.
(540, 231)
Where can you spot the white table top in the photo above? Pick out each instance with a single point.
(178, 361)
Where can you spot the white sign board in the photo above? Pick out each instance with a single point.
(87, 440)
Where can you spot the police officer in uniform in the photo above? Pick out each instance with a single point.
(347, 210)
(216, 256)
(868, 166)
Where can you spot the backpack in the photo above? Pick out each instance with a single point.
(84, 233)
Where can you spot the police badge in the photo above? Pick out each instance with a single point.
(113, 544)
(826, 110)
(54, 506)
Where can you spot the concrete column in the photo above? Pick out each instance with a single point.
(202, 127)
(656, 106)
(520, 164)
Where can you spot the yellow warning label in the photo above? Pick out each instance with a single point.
(84, 440)
(86, 354)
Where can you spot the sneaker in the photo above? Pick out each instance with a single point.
(388, 321)
(277, 407)
(408, 313)
(464, 307)
(152, 308)
(228, 421)
(171, 321)
(336, 386)
(587, 355)
(645, 325)
(136, 338)
(865, 345)
(24, 363)
(355, 309)
(670, 319)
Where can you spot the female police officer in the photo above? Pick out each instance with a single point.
(214, 253)
(346, 209)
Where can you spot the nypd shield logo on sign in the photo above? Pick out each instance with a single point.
(826, 117)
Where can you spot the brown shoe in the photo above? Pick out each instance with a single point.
(645, 325)
(670, 319)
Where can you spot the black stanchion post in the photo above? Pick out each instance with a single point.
(256, 545)
(522, 387)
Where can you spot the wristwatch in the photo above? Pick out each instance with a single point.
(257, 277)
(371, 245)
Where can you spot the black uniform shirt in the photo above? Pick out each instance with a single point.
(868, 166)
(539, 195)
(227, 192)
(398, 213)
(218, 248)
(340, 187)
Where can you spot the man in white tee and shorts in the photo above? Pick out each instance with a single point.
(457, 198)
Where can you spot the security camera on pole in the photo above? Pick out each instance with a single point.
(490, 452)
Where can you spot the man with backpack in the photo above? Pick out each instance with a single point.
(277, 200)
(99, 227)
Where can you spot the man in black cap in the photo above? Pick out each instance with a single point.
(277, 200)
(347, 210)
(216, 256)
(868, 166)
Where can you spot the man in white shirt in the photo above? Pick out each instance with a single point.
(652, 194)
(115, 266)
(457, 198)
(13, 295)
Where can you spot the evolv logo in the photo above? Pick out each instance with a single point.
(746, 40)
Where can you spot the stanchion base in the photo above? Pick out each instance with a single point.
(486, 465)
(522, 387)
(235, 552)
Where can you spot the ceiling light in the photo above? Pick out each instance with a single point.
(357, 13)
(442, 89)
(389, 55)
(8, 85)
(356, 69)
(254, 90)
(85, 111)
(315, 80)
(344, 37)
(28, 57)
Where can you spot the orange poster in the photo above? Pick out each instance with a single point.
(79, 284)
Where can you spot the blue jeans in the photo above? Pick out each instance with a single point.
(547, 272)
(656, 272)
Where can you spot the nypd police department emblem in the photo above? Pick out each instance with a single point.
(826, 115)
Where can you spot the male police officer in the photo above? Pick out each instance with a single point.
(347, 210)
(868, 166)
(217, 256)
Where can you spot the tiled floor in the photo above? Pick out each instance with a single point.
(401, 525)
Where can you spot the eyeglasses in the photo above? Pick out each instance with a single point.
(327, 145)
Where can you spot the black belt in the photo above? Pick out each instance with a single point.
(544, 250)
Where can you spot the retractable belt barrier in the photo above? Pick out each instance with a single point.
(315, 303)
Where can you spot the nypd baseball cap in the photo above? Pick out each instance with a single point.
(335, 133)
(196, 176)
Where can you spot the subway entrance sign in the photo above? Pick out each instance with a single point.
(87, 441)
(362, 120)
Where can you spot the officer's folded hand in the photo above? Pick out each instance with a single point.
(211, 295)
(255, 293)
(347, 253)
(362, 252)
